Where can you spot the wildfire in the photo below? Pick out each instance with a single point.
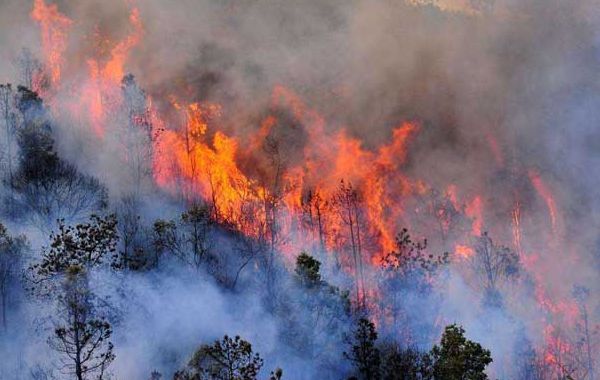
(210, 168)
(544, 192)
(463, 251)
(474, 210)
(330, 194)
(54, 30)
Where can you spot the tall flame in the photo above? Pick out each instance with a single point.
(54, 32)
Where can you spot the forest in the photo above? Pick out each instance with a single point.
(366, 190)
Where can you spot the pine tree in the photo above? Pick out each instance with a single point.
(457, 358)
(364, 353)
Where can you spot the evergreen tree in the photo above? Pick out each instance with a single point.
(80, 336)
(364, 353)
(399, 363)
(457, 358)
(226, 359)
(307, 270)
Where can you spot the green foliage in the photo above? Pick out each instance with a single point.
(225, 359)
(307, 270)
(364, 353)
(457, 358)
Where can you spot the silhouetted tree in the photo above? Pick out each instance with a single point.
(399, 363)
(347, 202)
(196, 226)
(364, 353)
(85, 245)
(586, 343)
(408, 268)
(47, 188)
(315, 313)
(276, 375)
(225, 359)
(314, 210)
(307, 270)
(493, 265)
(133, 248)
(82, 338)
(8, 114)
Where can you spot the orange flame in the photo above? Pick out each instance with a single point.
(474, 210)
(544, 192)
(463, 251)
(54, 29)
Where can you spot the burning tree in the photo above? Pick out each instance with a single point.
(347, 203)
(31, 70)
(314, 210)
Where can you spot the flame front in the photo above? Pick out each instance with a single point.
(332, 195)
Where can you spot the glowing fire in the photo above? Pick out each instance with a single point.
(54, 29)
(336, 196)
(463, 251)
(546, 195)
